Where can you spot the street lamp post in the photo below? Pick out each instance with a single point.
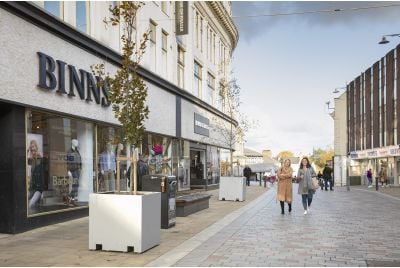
(384, 39)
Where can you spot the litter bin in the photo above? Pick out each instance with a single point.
(167, 186)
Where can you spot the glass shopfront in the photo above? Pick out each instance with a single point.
(111, 146)
(197, 167)
(67, 159)
(225, 160)
(183, 165)
(213, 162)
(60, 162)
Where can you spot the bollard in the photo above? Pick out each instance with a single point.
(265, 182)
(376, 183)
(260, 179)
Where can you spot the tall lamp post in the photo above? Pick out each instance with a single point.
(384, 39)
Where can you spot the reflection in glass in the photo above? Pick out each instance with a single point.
(213, 163)
(111, 145)
(225, 160)
(60, 162)
(183, 165)
(81, 22)
(53, 7)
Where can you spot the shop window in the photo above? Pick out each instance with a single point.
(183, 165)
(111, 146)
(225, 162)
(60, 162)
(213, 165)
(157, 151)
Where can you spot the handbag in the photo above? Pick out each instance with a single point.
(315, 183)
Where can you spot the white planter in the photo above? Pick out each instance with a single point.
(119, 221)
(232, 188)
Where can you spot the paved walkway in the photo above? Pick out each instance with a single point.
(360, 228)
(66, 244)
(356, 228)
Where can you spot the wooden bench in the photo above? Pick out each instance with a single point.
(188, 204)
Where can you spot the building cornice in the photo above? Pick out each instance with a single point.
(51, 24)
(223, 16)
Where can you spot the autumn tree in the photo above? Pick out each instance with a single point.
(127, 90)
(284, 154)
(321, 156)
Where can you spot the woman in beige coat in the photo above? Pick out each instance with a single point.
(285, 185)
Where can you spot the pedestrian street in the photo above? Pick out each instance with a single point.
(345, 228)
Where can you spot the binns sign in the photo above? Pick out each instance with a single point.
(84, 84)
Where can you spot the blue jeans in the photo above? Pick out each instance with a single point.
(306, 199)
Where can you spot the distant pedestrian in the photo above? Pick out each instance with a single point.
(321, 180)
(306, 190)
(247, 174)
(369, 177)
(284, 193)
(327, 174)
(383, 176)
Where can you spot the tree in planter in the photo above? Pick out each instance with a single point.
(127, 91)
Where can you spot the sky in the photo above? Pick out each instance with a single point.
(288, 66)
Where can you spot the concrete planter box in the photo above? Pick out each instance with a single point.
(232, 188)
(124, 222)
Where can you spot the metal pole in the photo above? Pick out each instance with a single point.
(348, 174)
(260, 178)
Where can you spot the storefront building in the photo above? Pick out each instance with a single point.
(59, 136)
(372, 122)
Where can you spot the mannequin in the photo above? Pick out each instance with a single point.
(35, 160)
(74, 166)
(181, 175)
(122, 167)
(108, 167)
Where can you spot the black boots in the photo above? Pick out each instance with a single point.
(283, 207)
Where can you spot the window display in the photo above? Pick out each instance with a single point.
(111, 146)
(225, 160)
(182, 165)
(158, 150)
(60, 159)
(197, 162)
(213, 163)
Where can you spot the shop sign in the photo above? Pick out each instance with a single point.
(382, 152)
(362, 154)
(181, 17)
(201, 125)
(353, 155)
(394, 151)
(84, 83)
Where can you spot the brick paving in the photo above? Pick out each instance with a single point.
(66, 244)
(355, 228)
